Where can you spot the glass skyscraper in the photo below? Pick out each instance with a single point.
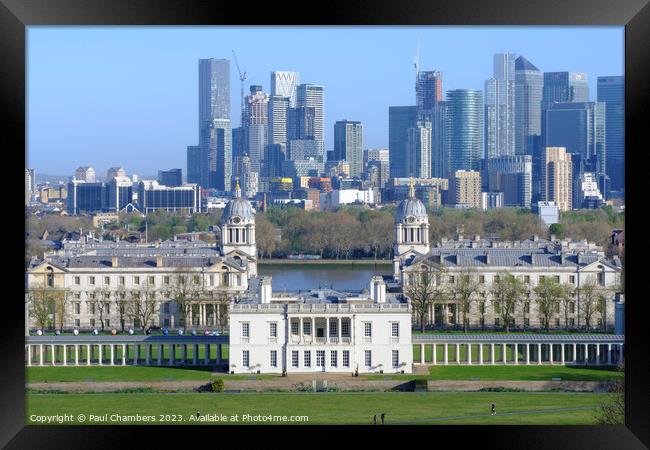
(611, 91)
(464, 129)
(529, 85)
(564, 87)
(216, 155)
(400, 119)
(285, 84)
(500, 107)
(348, 145)
(214, 89)
(429, 103)
(311, 95)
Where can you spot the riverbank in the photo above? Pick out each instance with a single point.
(325, 262)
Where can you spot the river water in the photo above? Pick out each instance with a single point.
(294, 277)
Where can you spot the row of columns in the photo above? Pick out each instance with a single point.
(328, 321)
(37, 352)
(445, 307)
(538, 348)
(203, 314)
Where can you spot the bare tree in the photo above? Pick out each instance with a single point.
(464, 291)
(42, 305)
(612, 410)
(103, 304)
(547, 295)
(186, 291)
(144, 306)
(122, 300)
(422, 289)
(507, 292)
(567, 299)
(590, 296)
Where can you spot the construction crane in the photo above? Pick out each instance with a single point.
(242, 78)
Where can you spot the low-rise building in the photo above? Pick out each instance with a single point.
(321, 331)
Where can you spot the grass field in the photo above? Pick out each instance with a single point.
(152, 373)
(513, 373)
(329, 408)
(129, 373)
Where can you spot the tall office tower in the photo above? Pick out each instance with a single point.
(400, 119)
(239, 142)
(85, 173)
(465, 188)
(429, 103)
(248, 179)
(418, 150)
(275, 155)
(278, 108)
(285, 84)
(529, 85)
(194, 164)
(611, 91)
(557, 174)
(171, 177)
(216, 155)
(214, 90)
(300, 123)
(256, 125)
(464, 129)
(311, 95)
(563, 87)
(348, 145)
(578, 127)
(113, 172)
(500, 107)
(428, 93)
(119, 193)
(86, 196)
(303, 149)
(511, 175)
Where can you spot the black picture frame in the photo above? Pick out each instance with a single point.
(16, 15)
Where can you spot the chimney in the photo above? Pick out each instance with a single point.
(552, 237)
(532, 258)
(477, 237)
(159, 261)
(377, 289)
(487, 258)
(535, 238)
(460, 237)
(114, 261)
(266, 291)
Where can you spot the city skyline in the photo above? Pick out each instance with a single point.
(63, 121)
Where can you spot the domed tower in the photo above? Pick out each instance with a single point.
(238, 230)
(411, 230)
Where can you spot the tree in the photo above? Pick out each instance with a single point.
(424, 287)
(144, 306)
(612, 410)
(547, 295)
(186, 291)
(265, 236)
(590, 296)
(102, 303)
(464, 291)
(41, 305)
(567, 300)
(122, 303)
(507, 292)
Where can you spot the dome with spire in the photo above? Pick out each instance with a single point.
(238, 209)
(411, 209)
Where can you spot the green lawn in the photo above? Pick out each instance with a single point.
(128, 373)
(331, 408)
(513, 373)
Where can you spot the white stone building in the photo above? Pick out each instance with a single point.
(96, 279)
(321, 331)
(569, 263)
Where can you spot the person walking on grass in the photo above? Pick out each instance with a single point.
(382, 418)
(374, 419)
(494, 410)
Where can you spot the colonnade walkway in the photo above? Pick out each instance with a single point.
(527, 349)
(124, 350)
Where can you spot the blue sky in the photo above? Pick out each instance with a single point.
(127, 96)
